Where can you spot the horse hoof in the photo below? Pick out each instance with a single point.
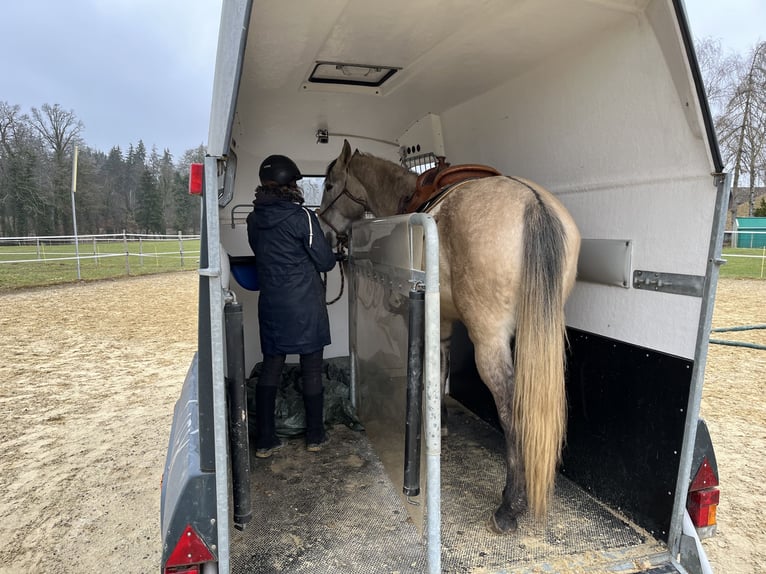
(495, 528)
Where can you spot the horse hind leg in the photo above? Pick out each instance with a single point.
(444, 350)
(495, 365)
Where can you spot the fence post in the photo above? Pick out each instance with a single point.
(181, 247)
(38, 247)
(140, 251)
(127, 254)
(95, 251)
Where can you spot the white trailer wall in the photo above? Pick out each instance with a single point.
(605, 128)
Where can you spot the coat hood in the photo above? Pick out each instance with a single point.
(270, 212)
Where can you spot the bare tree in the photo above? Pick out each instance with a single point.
(740, 130)
(60, 129)
(736, 88)
(717, 72)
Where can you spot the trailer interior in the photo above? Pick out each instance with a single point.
(599, 101)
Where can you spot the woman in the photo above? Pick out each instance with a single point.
(290, 253)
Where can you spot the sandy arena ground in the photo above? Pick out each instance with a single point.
(89, 375)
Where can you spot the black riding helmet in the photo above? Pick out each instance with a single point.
(280, 169)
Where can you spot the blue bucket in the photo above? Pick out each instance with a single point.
(244, 271)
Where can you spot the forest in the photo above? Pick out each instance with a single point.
(134, 190)
(145, 191)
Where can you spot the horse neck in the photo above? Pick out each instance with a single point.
(386, 183)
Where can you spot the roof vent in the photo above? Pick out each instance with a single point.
(351, 74)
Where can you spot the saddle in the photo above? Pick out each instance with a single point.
(432, 182)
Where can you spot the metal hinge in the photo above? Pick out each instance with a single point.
(676, 283)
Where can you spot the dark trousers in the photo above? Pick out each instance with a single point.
(311, 372)
(313, 395)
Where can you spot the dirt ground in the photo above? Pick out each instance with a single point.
(89, 375)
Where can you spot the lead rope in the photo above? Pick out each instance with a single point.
(339, 251)
(342, 280)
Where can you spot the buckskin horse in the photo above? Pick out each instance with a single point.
(508, 254)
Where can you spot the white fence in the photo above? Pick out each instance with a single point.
(101, 255)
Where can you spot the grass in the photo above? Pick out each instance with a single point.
(29, 266)
(32, 266)
(744, 263)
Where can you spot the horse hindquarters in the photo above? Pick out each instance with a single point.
(507, 260)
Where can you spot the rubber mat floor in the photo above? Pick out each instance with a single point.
(338, 511)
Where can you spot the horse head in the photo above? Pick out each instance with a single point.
(344, 199)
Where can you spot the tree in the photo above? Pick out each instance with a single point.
(166, 184)
(112, 207)
(22, 205)
(760, 211)
(737, 90)
(60, 130)
(149, 205)
(717, 71)
(115, 191)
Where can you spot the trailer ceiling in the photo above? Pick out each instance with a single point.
(446, 53)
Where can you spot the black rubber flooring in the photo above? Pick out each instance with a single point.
(338, 511)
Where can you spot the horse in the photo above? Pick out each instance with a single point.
(508, 253)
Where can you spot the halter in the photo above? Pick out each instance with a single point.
(353, 198)
(341, 238)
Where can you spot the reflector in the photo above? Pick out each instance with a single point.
(190, 549)
(196, 174)
(705, 478)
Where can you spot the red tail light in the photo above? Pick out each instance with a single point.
(702, 506)
(189, 553)
(196, 175)
(704, 495)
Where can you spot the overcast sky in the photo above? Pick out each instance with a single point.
(143, 69)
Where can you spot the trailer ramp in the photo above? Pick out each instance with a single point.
(338, 511)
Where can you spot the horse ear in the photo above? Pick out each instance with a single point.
(345, 154)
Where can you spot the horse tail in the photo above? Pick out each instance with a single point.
(539, 399)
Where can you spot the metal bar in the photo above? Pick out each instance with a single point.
(676, 283)
(431, 368)
(723, 183)
(74, 213)
(213, 273)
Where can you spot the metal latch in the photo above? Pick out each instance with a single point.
(676, 283)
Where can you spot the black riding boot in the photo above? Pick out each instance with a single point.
(267, 441)
(315, 435)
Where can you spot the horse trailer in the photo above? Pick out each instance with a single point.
(600, 102)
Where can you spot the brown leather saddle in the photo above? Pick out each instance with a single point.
(434, 181)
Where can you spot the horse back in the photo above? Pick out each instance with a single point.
(482, 227)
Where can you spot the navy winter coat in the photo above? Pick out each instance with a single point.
(290, 253)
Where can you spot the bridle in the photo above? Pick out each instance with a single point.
(341, 237)
(352, 197)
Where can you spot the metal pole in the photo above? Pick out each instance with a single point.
(181, 247)
(74, 214)
(432, 387)
(127, 253)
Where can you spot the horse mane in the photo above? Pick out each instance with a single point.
(385, 177)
